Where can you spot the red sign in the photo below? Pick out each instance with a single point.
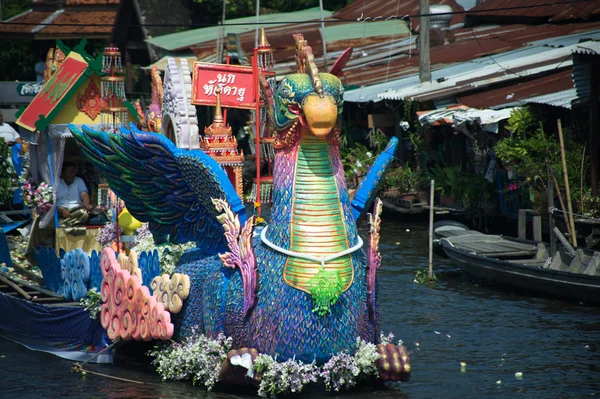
(236, 83)
(53, 91)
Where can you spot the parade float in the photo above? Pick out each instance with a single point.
(44, 312)
(280, 306)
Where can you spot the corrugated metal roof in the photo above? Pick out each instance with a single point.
(582, 75)
(518, 38)
(519, 91)
(590, 48)
(559, 99)
(457, 115)
(553, 11)
(515, 69)
(335, 32)
(393, 8)
(189, 38)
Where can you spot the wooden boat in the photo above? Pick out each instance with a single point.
(40, 319)
(527, 266)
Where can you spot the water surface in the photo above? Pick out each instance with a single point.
(555, 345)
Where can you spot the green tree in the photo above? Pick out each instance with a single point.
(245, 8)
(17, 57)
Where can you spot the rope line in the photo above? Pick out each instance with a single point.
(360, 19)
(321, 259)
(554, 209)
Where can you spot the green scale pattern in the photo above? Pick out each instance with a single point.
(317, 225)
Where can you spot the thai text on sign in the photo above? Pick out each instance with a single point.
(236, 83)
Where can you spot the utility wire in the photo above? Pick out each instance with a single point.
(362, 18)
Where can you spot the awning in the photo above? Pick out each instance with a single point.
(162, 63)
(460, 114)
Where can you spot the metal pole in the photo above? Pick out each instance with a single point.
(551, 217)
(255, 73)
(257, 20)
(222, 34)
(431, 230)
(424, 60)
(323, 36)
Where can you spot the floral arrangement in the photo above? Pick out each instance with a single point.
(343, 371)
(340, 372)
(281, 378)
(40, 196)
(7, 173)
(92, 302)
(198, 357)
(141, 233)
(107, 234)
(169, 254)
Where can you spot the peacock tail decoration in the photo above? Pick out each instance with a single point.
(296, 288)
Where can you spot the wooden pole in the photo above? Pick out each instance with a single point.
(15, 287)
(424, 56)
(431, 230)
(537, 228)
(566, 177)
(581, 210)
(562, 204)
(522, 227)
(551, 217)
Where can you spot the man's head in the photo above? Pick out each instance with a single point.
(1, 118)
(69, 172)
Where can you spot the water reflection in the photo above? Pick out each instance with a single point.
(554, 344)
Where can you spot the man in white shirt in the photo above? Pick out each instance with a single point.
(7, 132)
(72, 196)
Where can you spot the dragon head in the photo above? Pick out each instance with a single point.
(309, 98)
(315, 102)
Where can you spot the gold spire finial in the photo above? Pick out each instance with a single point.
(263, 42)
(218, 120)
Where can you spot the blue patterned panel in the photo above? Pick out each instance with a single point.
(95, 271)
(149, 264)
(75, 271)
(49, 264)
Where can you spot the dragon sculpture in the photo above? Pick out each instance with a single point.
(303, 287)
(151, 120)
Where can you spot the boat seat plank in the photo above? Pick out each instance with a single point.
(457, 233)
(497, 249)
(530, 262)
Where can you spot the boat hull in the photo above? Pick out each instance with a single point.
(526, 278)
(65, 331)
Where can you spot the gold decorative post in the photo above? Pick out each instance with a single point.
(221, 145)
(113, 114)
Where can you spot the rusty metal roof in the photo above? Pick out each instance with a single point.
(577, 10)
(472, 47)
(517, 92)
(47, 23)
(393, 8)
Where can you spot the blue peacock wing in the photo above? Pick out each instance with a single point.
(368, 188)
(161, 184)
